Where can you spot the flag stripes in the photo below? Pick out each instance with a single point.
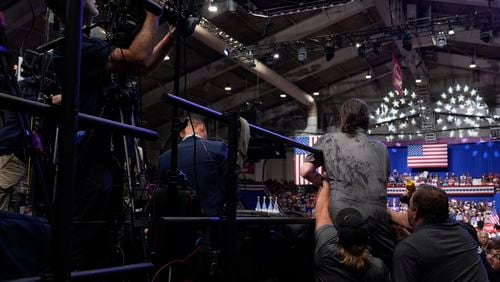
(300, 156)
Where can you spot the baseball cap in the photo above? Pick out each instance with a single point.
(352, 229)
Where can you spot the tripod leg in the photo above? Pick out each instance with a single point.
(131, 189)
(55, 161)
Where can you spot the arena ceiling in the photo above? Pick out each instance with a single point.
(207, 71)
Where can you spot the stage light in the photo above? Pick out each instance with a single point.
(485, 34)
(472, 65)
(283, 95)
(451, 31)
(358, 45)
(227, 87)
(276, 55)
(407, 45)
(377, 48)
(418, 80)
(231, 6)
(166, 58)
(212, 8)
(251, 63)
(302, 54)
(440, 40)
(316, 93)
(368, 75)
(329, 52)
(476, 76)
(226, 52)
(361, 50)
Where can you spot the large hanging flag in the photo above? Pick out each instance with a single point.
(428, 155)
(397, 75)
(494, 217)
(300, 155)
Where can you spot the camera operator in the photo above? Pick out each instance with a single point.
(99, 157)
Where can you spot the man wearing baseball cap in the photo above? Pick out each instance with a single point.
(341, 252)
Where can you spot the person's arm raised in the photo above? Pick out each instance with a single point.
(322, 205)
(138, 54)
(160, 51)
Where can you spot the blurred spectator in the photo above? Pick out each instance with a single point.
(494, 258)
(438, 249)
(293, 198)
(484, 238)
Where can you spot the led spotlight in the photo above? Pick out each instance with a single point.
(361, 50)
(329, 52)
(485, 34)
(227, 52)
(407, 45)
(302, 54)
(368, 75)
(377, 48)
(212, 8)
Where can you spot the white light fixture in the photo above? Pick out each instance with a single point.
(211, 7)
(276, 55)
(283, 95)
(368, 75)
(451, 31)
(227, 87)
(166, 58)
(316, 93)
(472, 65)
(418, 80)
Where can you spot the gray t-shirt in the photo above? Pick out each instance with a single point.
(357, 169)
(438, 252)
(327, 266)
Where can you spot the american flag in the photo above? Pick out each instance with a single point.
(300, 155)
(428, 155)
(494, 217)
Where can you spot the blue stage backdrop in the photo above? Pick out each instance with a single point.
(475, 159)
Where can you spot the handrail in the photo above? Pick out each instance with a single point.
(207, 112)
(241, 220)
(22, 105)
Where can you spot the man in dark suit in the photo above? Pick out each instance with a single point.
(204, 162)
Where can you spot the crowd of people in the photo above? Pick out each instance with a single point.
(397, 179)
(478, 214)
(293, 198)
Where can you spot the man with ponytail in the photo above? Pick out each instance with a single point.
(356, 169)
(341, 252)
